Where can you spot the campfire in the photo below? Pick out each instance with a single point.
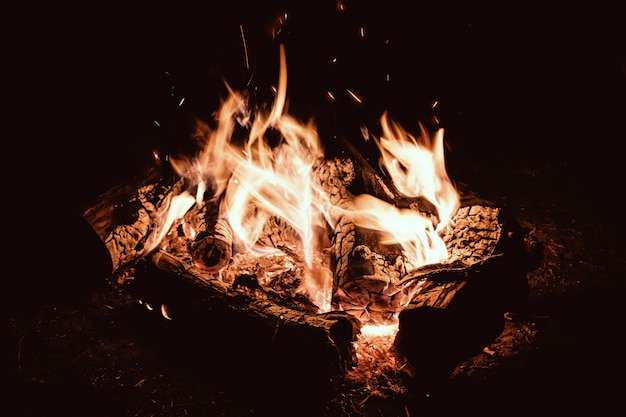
(389, 263)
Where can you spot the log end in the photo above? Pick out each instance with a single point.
(211, 254)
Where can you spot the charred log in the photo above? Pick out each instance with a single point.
(123, 216)
(365, 278)
(364, 272)
(376, 284)
(369, 278)
(212, 246)
(458, 309)
(164, 279)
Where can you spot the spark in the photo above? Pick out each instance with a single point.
(365, 133)
(354, 96)
(156, 156)
(489, 351)
(156, 122)
(182, 100)
(251, 76)
(164, 312)
(245, 46)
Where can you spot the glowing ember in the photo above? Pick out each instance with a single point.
(271, 202)
(386, 330)
(377, 368)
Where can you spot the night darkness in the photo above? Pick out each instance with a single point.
(526, 93)
(83, 86)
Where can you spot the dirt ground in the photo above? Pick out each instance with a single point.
(536, 131)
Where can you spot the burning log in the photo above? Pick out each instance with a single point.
(123, 216)
(458, 308)
(212, 246)
(364, 278)
(362, 269)
(370, 279)
(275, 319)
(195, 251)
(377, 285)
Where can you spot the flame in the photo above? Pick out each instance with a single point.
(382, 330)
(175, 208)
(254, 181)
(417, 169)
(421, 243)
(257, 181)
(277, 181)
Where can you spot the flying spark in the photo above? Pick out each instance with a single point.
(245, 46)
(354, 96)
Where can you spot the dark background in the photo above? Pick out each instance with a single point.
(524, 90)
(83, 84)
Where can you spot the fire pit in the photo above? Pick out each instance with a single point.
(375, 268)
